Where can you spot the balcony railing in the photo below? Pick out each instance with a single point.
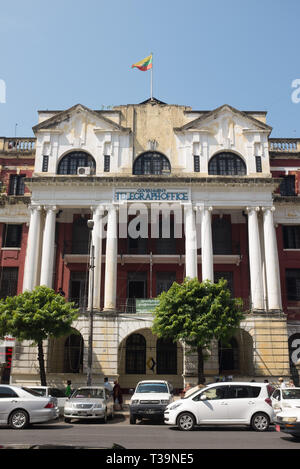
(19, 145)
(288, 145)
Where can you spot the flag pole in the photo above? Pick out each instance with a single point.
(151, 80)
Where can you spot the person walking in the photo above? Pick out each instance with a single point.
(68, 391)
(117, 393)
(107, 385)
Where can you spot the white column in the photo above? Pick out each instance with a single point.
(256, 276)
(31, 261)
(191, 264)
(97, 243)
(207, 246)
(48, 247)
(271, 261)
(110, 290)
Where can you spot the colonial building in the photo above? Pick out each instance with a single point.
(172, 192)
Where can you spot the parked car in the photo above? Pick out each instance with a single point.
(47, 391)
(285, 398)
(20, 407)
(150, 399)
(90, 402)
(234, 403)
(288, 421)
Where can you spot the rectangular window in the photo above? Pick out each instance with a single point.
(291, 237)
(287, 187)
(292, 277)
(106, 163)
(45, 163)
(9, 282)
(258, 164)
(16, 184)
(196, 164)
(12, 235)
(227, 276)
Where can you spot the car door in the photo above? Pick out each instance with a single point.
(276, 401)
(8, 401)
(240, 403)
(211, 405)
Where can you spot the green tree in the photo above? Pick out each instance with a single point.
(36, 315)
(196, 313)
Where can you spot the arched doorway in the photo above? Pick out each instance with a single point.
(228, 356)
(65, 354)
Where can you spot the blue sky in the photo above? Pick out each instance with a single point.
(206, 53)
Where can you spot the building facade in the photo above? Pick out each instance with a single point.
(172, 193)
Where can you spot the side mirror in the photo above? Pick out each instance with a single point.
(203, 397)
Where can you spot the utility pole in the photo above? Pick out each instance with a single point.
(90, 225)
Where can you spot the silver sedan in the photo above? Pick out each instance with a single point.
(93, 402)
(20, 407)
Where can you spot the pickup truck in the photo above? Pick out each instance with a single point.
(150, 399)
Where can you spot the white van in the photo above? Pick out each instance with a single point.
(234, 403)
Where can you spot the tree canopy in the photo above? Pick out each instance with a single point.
(196, 313)
(36, 315)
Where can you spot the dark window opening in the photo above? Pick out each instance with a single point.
(258, 164)
(106, 163)
(12, 235)
(221, 235)
(227, 276)
(228, 356)
(16, 185)
(9, 281)
(74, 160)
(45, 163)
(227, 164)
(166, 357)
(164, 281)
(73, 354)
(196, 163)
(287, 186)
(151, 163)
(292, 277)
(291, 237)
(135, 361)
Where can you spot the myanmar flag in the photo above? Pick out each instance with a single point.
(144, 64)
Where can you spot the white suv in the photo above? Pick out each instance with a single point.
(150, 399)
(234, 403)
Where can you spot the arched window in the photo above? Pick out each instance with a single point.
(135, 354)
(73, 354)
(151, 163)
(227, 164)
(166, 357)
(228, 356)
(72, 161)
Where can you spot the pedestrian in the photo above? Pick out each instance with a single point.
(68, 389)
(107, 385)
(187, 387)
(291, 384)
(281, 383)
(118, 398)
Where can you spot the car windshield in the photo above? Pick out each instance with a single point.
(96, 393)
(152, 387)
(31, 391)
(291, 394)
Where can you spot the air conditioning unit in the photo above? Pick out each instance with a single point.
(83, 171)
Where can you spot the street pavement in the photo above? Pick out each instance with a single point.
(144, 435)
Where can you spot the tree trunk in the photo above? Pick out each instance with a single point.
(201, 379)
(42, 364)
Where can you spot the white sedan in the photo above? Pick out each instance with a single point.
(90, 402)
(20, 407)
(285, 398)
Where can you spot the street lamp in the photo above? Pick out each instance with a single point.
(90, 225)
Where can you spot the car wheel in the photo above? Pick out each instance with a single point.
(132, 420)
(67, 420)
(105, 417)
(260, 422)
(19, 419)
(186, 421)
(296, 436)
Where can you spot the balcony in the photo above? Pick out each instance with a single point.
(284, 145)
(18, 145)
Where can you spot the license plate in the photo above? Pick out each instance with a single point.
(277, 428)
(81, 412)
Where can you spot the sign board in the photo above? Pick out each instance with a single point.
(151, 195)
(146, 305)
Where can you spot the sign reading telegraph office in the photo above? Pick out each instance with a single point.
(151, 195)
